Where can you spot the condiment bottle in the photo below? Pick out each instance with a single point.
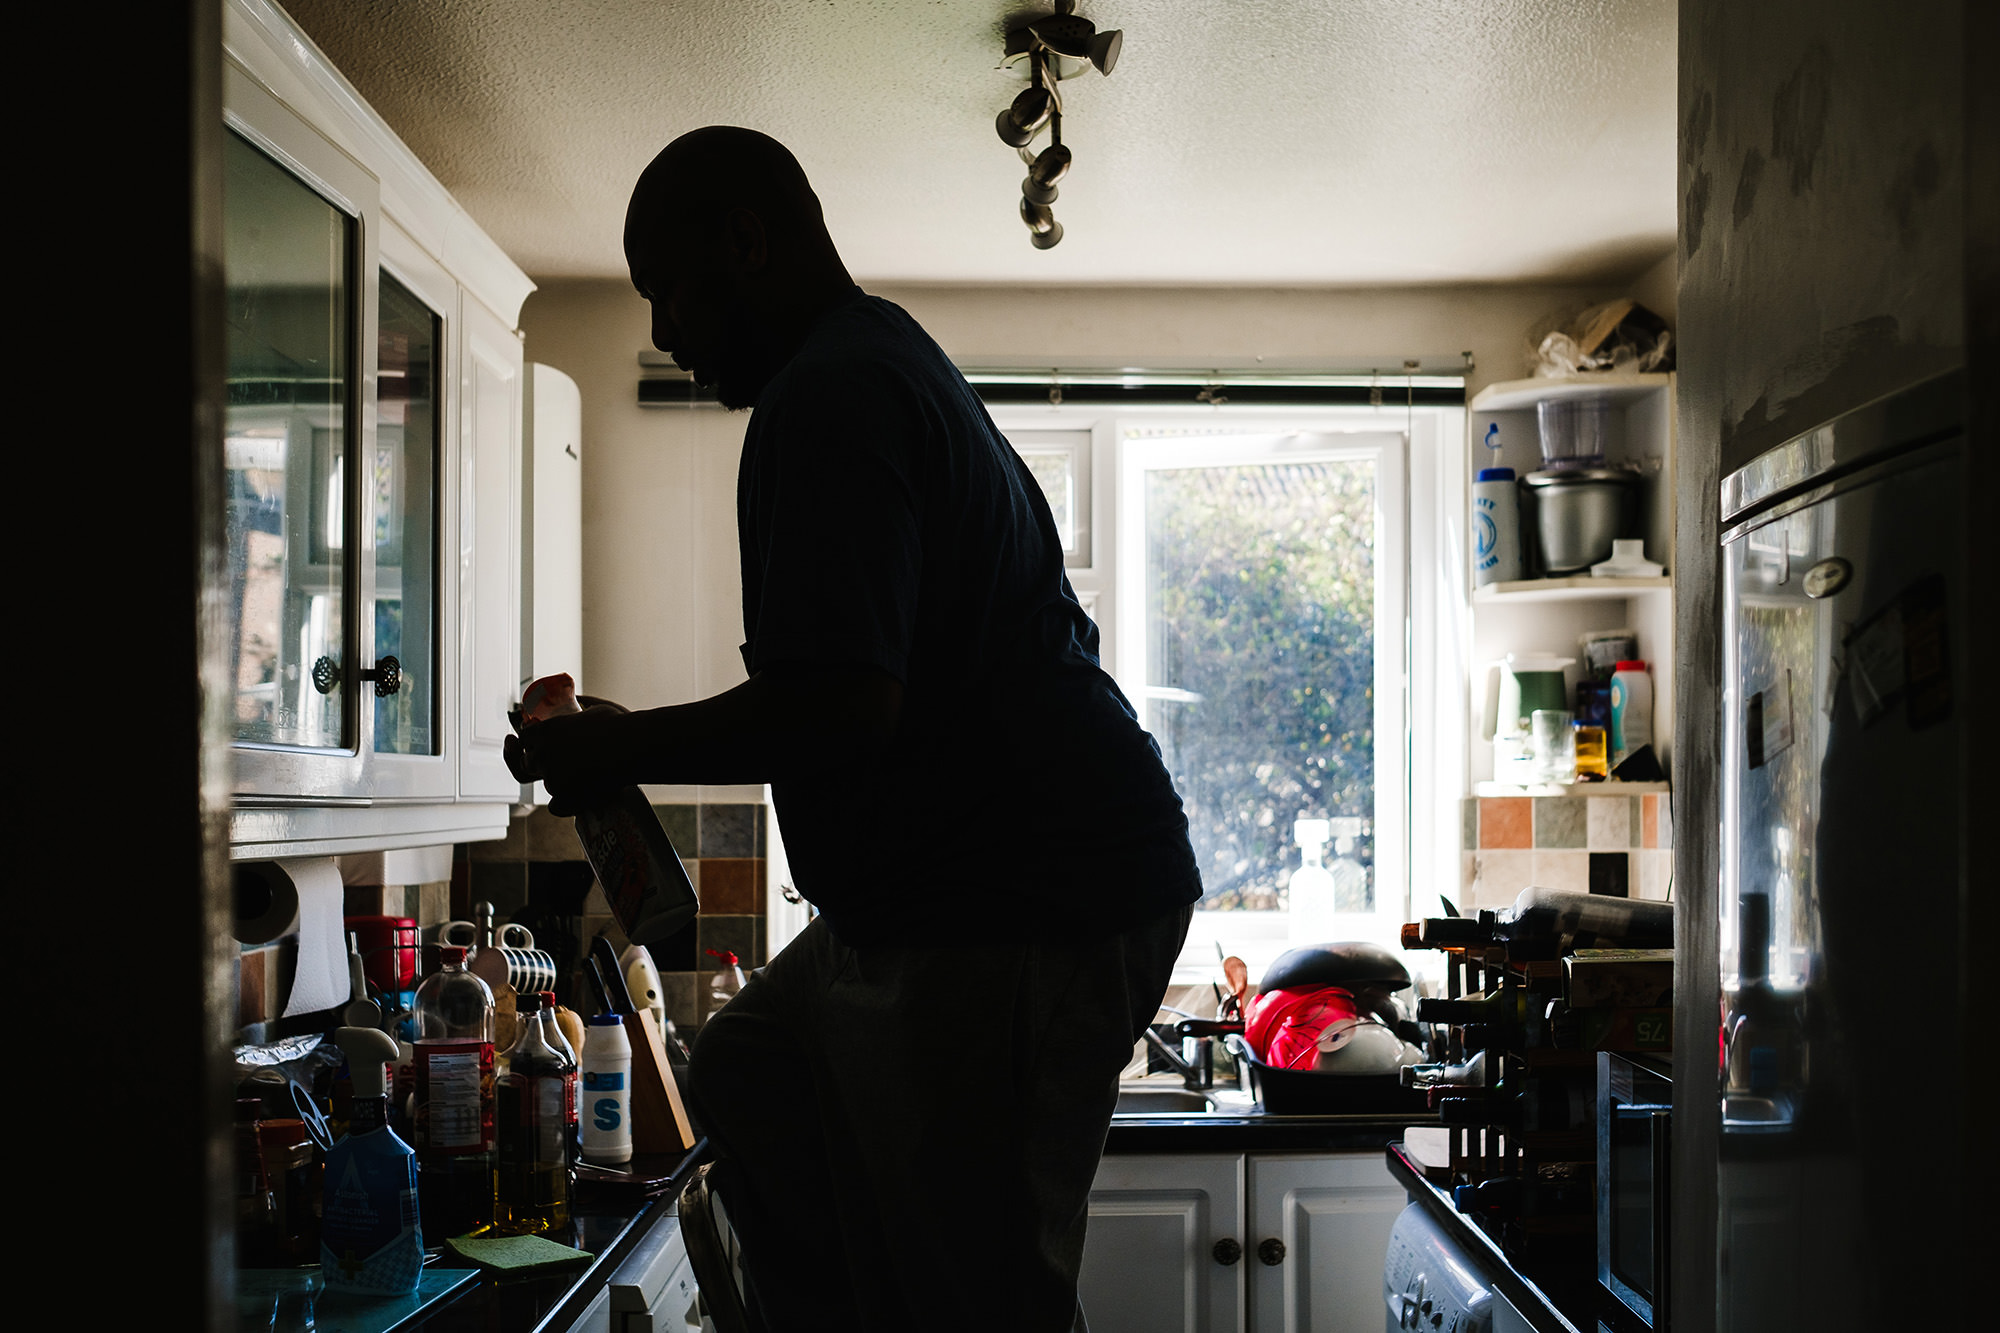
(533, 1129)
(453, 1061)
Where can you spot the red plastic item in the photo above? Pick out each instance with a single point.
(388, 947)
(1283, 1027)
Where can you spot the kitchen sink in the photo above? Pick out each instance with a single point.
(1136, 1098)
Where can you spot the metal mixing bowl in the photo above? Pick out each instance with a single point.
(1580, 512)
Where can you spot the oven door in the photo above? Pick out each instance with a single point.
(1634, 1130)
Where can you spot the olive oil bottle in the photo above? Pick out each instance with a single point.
(533, 1128)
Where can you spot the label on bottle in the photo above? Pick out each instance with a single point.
(454, 1097)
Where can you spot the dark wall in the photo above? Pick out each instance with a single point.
(1823, 243)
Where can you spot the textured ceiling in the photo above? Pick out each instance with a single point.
(1296, 142)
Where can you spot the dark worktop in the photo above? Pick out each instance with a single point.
(1258, 1132)
(1556, 1296)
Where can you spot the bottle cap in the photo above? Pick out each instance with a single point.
(728, 957)
(451, 953)
(1496, 474)
(606, 1021)
(1633, 665)
(528, 1002)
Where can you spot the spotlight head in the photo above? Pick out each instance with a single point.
(1039, 217)
(1079, 39)
(1049, 166)
(1036, 193)
(1023, 120)
(1046, 240)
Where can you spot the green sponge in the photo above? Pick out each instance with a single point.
(515, 1254)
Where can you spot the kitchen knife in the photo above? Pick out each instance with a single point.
(595, 976)
(606, 959)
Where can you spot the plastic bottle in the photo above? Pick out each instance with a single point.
(1496, 527)
(533, 1131)
(607, 1092)
(1631, 710)
(724, 985)
(370, 1238)
(454, 1098)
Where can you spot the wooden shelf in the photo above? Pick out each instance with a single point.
(1513, 395)
(1576, 588)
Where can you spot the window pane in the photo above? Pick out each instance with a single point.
(286, 264)
(1260, 620)
(405, 513)
(1054, 471)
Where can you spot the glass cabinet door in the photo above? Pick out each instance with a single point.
(404, 510)
(289, 259)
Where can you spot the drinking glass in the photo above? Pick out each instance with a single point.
(1554, 733)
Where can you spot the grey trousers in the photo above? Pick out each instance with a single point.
(905, 1138)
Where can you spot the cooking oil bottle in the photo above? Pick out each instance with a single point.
(533, 1123)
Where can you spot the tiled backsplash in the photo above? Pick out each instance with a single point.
(1612, 843)
(537, 876)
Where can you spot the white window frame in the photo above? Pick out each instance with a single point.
(1420, 635)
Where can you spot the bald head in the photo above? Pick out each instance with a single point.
(687, 193)
(724, 236)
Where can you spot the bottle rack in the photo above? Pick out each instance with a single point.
(1555, 1168)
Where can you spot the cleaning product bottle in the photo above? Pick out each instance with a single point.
(723, 986)
(636, 863)
(1631, 710)
(532, 1126)
(607, 1092)
(1312, 890)
(454, 1098)
(370, 1239)
(1496, 520)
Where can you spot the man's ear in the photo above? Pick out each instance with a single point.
(748, 243)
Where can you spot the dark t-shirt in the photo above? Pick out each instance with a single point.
(883, 519)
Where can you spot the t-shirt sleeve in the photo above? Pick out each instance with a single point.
(838, 510)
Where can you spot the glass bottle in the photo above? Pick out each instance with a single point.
(453, 1063)
(533, 1127)
(553, 1034)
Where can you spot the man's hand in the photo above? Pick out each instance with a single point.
(579, 757)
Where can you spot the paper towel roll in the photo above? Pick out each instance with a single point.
(303, 894)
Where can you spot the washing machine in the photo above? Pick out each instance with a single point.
(1432, 1284)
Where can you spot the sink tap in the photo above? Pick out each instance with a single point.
(1199, 1074)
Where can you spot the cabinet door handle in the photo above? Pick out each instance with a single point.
(387, 675)
(1227, 1251)
(1271, 1252)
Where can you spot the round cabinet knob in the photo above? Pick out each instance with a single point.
(1271, 1252)
(325, 675)
(387, 675)
(1227, 1251)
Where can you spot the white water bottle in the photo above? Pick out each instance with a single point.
(1496, 527)
(606, 1111)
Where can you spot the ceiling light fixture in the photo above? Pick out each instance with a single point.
(1056, 46)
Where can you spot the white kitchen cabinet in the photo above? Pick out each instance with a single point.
(1546, 616)
(1331, 1217)
(373, 446)
(1151, 1262)
(1265, 1242)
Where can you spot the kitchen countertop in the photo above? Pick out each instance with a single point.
(1554, 1296)
(609, 1227)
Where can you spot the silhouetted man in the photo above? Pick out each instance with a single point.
(909, 1102)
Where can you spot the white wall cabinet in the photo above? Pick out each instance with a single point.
(1228, 1243)
(373, 445)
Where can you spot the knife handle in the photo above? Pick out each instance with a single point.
(615, 989)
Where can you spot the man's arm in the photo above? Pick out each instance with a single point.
(787, 721)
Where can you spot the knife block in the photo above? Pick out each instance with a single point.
(659, 1120)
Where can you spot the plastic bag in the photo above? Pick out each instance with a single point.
(1619, 336)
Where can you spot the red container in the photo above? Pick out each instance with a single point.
(388, 950)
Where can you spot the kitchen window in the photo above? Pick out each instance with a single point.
(1250, 574)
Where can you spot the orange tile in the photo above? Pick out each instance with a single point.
(1649, 821)
(250, 991)
(1506, 821)
(728, 886)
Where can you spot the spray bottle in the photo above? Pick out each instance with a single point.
(370, 1239)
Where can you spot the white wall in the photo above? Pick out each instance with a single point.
(661, 609)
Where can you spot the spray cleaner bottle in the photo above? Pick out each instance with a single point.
(370, 1238)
